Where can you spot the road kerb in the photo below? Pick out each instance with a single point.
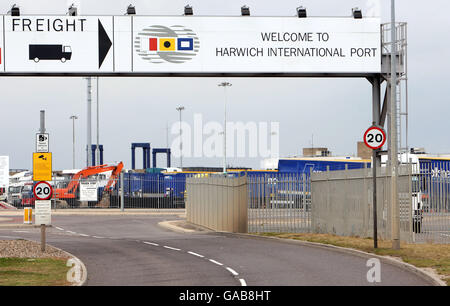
(428, 276)
(174, 226)
(71, 256)
(432, 278)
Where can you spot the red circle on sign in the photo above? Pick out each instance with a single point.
(38, 194)
(378, 129)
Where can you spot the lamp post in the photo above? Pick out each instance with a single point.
(180, 109)
(89, 121)
(225, 85)
(73, 139)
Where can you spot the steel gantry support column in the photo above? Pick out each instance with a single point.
(393, 157)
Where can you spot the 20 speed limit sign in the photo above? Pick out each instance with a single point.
(375, 137)
(42, 191)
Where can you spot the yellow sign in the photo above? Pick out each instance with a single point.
(42, 166)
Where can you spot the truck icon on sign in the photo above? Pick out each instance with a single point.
(50, 52)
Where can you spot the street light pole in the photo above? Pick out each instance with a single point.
(180, 109)
(225, 85)
(89, 122)
(73, 139)
(395, 229)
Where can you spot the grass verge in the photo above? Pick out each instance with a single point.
(435, 256)
(33, 272)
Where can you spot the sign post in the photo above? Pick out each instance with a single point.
(43, 207)
(42, 172)
(375, 138)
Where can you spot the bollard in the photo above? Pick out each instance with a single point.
(28, 215)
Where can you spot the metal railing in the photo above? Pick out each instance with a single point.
(139, 190)
(431, 186)
(154, 191)
(279, 202)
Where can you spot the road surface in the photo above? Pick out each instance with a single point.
(134, 250)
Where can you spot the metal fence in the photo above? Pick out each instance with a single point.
(131, 190)
(431, 186)
(279, 202)
(154, 190)
(343, 204)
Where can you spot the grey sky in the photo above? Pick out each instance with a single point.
(336, 111)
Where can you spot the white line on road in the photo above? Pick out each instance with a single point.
(71, 232)
(20, 231)
(243, 283)
(195, 254)
(98, 237)
(151, 243)
(232, 271)
(168, 247)
(84, 235)
(59, 228)
(216, 262)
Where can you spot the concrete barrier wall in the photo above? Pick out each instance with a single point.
(218, 203)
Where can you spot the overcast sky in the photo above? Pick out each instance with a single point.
(335, 111)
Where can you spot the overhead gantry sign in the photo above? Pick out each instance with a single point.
(188, 45)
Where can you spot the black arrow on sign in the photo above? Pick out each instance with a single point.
(104, 44)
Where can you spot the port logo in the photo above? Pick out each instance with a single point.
(158, 44)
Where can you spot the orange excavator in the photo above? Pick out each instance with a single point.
(69, 193)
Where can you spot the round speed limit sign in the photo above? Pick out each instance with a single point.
(42, 191)
(375, 137)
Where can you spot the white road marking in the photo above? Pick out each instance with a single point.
(243, 283)
(215, 262)
(445, 235)
(71, 232)
(151, 243)
(84, 235)
(59, 228)
(20, 231)
(232, 271)
(168, 247)
(195, 254)
(98, 237)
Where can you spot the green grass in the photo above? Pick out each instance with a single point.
(436, 256)
(33, 272)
